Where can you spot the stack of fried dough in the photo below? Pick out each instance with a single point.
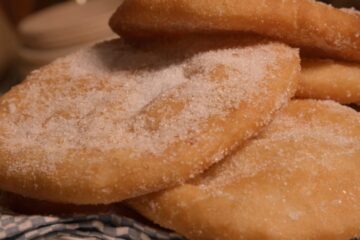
(219, 120)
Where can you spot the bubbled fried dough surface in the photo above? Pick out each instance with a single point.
(296, 180)
(308, 24)
(114, 121)
(329, 79)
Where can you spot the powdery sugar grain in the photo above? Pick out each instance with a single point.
(113, 96)
(320, 141)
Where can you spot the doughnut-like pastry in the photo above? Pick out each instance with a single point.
(308, 24)
(356, 107)
(329, 79)
(294, 181)
(116, 121)
(28, 206)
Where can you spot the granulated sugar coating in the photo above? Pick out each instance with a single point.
(329, 79)
(312, 25)
(296, 180)
(115, 121)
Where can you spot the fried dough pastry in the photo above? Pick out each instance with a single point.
(307, 24)
(329, 79)
(115, 121)
(294, 181)
(27, 206)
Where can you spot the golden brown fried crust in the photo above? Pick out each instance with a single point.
(328, 79)
(114, 122)
(302, 23)
(22, 205)
(294, 181)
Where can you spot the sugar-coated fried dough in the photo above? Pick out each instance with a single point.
(115, 121)
(329, 79)
(297, 181)
(302, 23)
(21, 205)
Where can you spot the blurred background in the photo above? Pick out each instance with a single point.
(35, 32)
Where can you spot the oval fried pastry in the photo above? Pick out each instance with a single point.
(297, 180)
(307, 24)
(115, 121)
(329, 79)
